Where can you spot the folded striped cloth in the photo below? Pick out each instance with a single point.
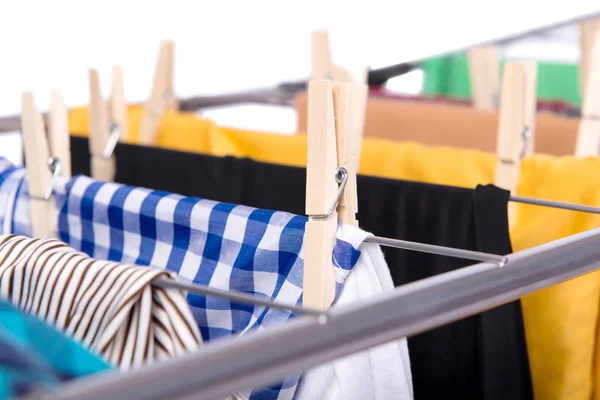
(225, 246)
(109, 307)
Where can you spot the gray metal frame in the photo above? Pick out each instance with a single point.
(259, 359)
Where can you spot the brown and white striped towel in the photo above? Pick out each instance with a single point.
(110, 308)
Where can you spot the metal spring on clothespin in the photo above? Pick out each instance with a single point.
(525, 138)
(55, 166)
(341, 177)
(113, 139)
(43, 167)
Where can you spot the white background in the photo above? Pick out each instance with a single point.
(223, 46)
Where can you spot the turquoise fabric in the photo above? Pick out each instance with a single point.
(34, 356)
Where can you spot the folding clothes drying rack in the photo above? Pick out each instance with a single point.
(320, 335)
(260, 359)
(323, 335)
(42, 174)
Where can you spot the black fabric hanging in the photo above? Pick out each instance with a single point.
(481, 357)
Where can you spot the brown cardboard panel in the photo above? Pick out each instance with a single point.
(452, 125)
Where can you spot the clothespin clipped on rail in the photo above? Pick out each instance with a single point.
(516, 125)
(484, 74)
(324, 68)
(329, 191)
(118, 108)
(322, 65)
(162, 96)
(42, 168)
(346, 149)
(102, 133)
(587, 32)
(107, 125)
(58, 132)
(588, 136)
(357, 103)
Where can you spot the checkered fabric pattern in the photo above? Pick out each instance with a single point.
(35, 356)
(223, 245)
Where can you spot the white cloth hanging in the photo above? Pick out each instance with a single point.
(381, 373)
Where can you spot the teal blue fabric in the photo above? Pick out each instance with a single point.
(34, 356)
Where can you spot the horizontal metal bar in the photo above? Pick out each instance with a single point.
(236, 297)
(441, 250)
(259, 359)
(555, 204)
(246, 298)
(506, 39)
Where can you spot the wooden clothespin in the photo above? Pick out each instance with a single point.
(162, 96)
(58, 132)
(108, 125)
(322, 66)
(329, 192)
(347, 205)
(484, 72)
(321, 188)
(118, 104)
(587, 32)
(588, 136)
(359, 97)
(41, 167)
(102, 164)
(350, 101)
(516, 125)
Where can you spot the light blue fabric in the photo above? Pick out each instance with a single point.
(34, 356)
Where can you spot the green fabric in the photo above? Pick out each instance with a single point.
(449, 76)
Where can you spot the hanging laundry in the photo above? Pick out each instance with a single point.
(561, 357)
(472, 358)
(222, 245)
(492, 342)
(109, 308)
(380, 373)
(422, 122)
(36, 357)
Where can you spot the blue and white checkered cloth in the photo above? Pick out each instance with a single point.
(226, 246)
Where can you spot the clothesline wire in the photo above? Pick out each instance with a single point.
(304, 343)
(234, 296)
(252, 299)
(555, 204)
(341, 176)
(440, 250)
(247, 298)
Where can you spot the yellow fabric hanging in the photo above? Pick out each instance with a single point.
(560, 322)
(379, 157)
